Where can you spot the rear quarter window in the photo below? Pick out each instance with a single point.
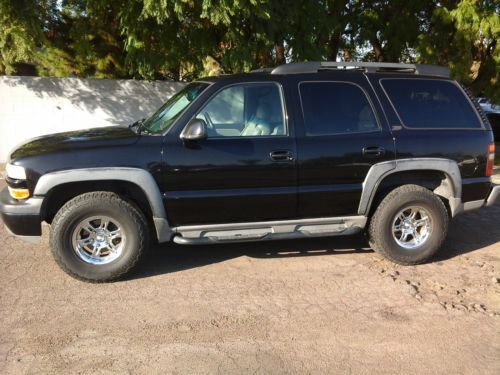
(430, 104)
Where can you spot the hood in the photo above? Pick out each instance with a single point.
(88, 138)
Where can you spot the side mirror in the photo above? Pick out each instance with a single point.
(195, 130)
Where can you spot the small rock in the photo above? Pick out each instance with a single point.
(418, 296)
(460, 307)
(393, 274)
(496, 280)
(479, 307)
(412, 289)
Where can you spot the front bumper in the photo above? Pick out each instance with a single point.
(21, 218)
(493, 196)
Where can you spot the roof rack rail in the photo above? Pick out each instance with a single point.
(262, 70)
(369, 67)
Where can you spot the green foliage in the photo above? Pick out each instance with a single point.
(21, 24)
(465, 37)
(186, 39)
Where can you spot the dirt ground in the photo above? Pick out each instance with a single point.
(304, 306)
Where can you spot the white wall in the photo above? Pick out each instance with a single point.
(32, 106)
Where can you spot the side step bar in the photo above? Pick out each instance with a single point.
(268, 230)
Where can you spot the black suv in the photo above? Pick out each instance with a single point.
(301, 150)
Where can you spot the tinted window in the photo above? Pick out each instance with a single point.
(335, 108)
(245, 110)
(425, 103)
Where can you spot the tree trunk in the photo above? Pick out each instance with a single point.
(334, 44)
(378, 50)
(279, 50)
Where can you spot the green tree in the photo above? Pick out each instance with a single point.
(186, 39)
(84, 41)
(464, 36)
(21, 29)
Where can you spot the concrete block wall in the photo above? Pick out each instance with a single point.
(33, 106)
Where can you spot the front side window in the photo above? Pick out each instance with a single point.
(245, 110)
(162, 119)
(335, 108)
(430, 104)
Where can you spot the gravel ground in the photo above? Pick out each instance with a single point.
(303, 306)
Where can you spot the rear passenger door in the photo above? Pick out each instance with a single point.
(342, 134)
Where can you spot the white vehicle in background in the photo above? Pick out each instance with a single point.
(487, 106)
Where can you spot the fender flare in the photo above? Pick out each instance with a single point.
(140, 177)
(379, 171)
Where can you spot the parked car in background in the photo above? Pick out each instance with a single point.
(487, 106)
(492, 112)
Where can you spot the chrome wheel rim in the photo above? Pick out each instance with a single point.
(98, 240)
(411, 227)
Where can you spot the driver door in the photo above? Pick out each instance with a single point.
(245, 171)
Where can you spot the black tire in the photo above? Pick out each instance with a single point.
(380, 231)
(98, 204)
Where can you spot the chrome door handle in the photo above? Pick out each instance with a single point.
(373, 152)
(281, 155)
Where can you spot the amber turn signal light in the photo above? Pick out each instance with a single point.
(19, 193)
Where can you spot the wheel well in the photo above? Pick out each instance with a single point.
(61, 194)
(436, 181)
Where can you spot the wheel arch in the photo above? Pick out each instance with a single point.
(138, 183)
(442, 176)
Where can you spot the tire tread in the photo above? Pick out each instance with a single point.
(91, 199)
(376, 227)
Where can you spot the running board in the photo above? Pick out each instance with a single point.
(268, 230)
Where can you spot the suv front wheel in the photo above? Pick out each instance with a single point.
(409, 225)
(98, 237)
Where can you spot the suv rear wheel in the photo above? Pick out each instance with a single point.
(409, 225)
(98, 237)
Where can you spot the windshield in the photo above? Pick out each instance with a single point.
(168, 112)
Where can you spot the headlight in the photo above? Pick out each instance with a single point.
(15, 172)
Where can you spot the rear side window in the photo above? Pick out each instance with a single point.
(430, 104)
(335, 108)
